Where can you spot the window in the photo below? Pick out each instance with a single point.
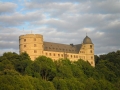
(62, 55)
(58, 54)
(34, 57)
(24, 45)
(91, 57)
(46, 53)
(90, 46)
(34, 39)
(50, 54)
(67, 55)
(35, 51)
(71, 56)
(24, 40)
(90, 51)
(91, 62)
(35, 45)
(54, 54)
(76, 56)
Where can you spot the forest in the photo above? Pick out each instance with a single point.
(19, 72)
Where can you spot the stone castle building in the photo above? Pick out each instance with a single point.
(34, 45)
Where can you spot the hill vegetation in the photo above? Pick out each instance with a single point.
(18, 72)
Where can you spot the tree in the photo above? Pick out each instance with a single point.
(22, 62)
(46, 68)
(60, 84)
(63, 67)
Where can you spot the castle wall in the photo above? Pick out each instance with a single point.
(58, 55)
(33, 45)
(89, 49)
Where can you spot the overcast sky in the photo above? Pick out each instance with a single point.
(61, 21)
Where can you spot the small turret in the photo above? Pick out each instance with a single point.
(89, 50)
(87, 40)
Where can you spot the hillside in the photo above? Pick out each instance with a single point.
(18, 72)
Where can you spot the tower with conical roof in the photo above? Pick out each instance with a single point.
(89, 50)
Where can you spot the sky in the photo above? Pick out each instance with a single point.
(61, 21)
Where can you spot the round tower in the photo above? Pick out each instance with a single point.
(89, 50)
(32, 44)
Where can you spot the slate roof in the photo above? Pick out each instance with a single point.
(56, 47)
(87, 40)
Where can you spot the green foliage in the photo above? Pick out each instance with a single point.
(47, 68)
(18, 72)
(109, 65)
(64, 68)
(42, 67)
(60, 84)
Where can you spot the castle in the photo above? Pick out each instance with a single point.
(34, 45)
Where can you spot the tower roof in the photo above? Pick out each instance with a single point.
(87, 40)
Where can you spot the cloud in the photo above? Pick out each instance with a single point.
(105, 6)
(7, 7)
(17, 19)
(61, 21)
(89, 6)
